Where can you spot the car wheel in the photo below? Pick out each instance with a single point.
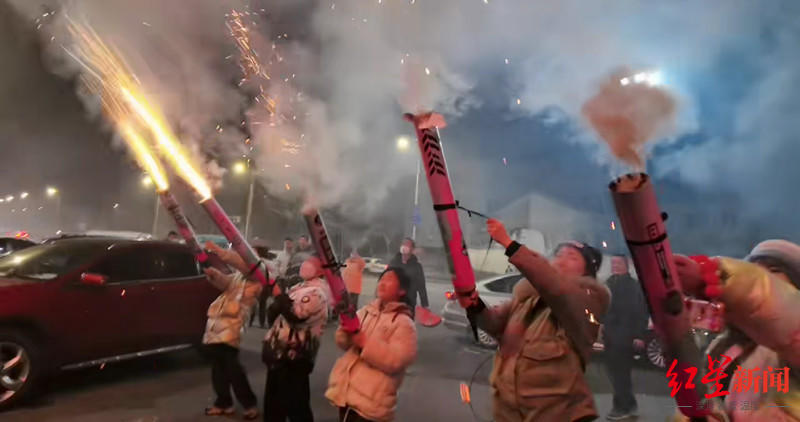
(655, 353)
(20, 368)
(486, 340)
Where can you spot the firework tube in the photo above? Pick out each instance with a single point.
(174, 209)
(330, 268)
(444, 203)
(238, 244)
(643, 227)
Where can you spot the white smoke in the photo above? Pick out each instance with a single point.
(353, 67)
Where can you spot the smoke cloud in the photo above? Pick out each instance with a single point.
(346, 71)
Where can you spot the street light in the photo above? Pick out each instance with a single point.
(9, 198)
(23, 195)
(403, 144)
(53, 192)
(239, 167)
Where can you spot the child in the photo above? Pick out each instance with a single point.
(364, 381)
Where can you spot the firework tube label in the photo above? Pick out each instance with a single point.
(330, 268)
(643, 227)
(238, 244)
(174, 209)
(444, 203)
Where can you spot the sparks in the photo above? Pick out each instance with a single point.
(288, 187)
(427, 71)
(613, 226)
(605, 245)
(507, 61)
(519, 101)
(505, 161)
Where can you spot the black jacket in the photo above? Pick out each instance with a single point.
(413, 270)
(628, 314)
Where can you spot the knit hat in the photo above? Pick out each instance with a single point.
(782, 254)
(591, 256)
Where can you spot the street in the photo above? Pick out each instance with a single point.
(177, 386)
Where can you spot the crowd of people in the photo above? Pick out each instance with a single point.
(545, 332)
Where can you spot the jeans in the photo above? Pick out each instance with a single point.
(227, 373)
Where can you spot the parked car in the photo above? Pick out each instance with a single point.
(374, 265)
(496, 290)
(85, 301)
(219, 239)
(13, 244)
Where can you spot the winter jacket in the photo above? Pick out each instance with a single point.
(539, 369)
(413, 270)
(352, 274)
(227, 313)
(297, 321)
(367, 379)
(763, 316)
(627, 315)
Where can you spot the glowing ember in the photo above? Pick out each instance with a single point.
(288, 187)
(613, 226)
(427, 71)
(519, 101)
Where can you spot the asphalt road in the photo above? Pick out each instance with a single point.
(176, 387)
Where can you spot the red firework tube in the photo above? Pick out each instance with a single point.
(238, 244)
(330, 268)
(444, 203)
(644, 231)
(174, 209)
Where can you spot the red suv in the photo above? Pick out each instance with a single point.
(84, 301)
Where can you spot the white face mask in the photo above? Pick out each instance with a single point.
(405, 250)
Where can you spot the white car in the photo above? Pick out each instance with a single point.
(497, 290)
(374, 265)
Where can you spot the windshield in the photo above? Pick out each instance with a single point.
(46, 262)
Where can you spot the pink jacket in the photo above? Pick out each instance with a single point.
(367, 379)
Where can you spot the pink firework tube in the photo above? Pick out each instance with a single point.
(644, 231)
(426, 124)
(330, 268)
(174, 210)
(238, 244)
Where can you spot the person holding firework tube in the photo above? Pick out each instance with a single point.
(545, 332)
(761, 296)
(364, 382)
(297, 320)
(223, 334)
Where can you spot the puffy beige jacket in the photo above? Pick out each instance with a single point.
(767, 311)
(367, 380)
(228, 311)
(546, 334)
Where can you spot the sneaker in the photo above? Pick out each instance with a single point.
(618, 415)
(219, 411)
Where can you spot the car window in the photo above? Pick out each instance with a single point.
(147, 262)
(46, 262)
(179, 264)
(504, 284)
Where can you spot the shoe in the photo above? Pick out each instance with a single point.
(618, 415)
(218, 411)
(251, 414)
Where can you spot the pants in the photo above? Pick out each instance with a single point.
(262, 308)
(347, 414)
(619, 364)
(288, 394)
(548, 409)
(227, 372)
(354, 299)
